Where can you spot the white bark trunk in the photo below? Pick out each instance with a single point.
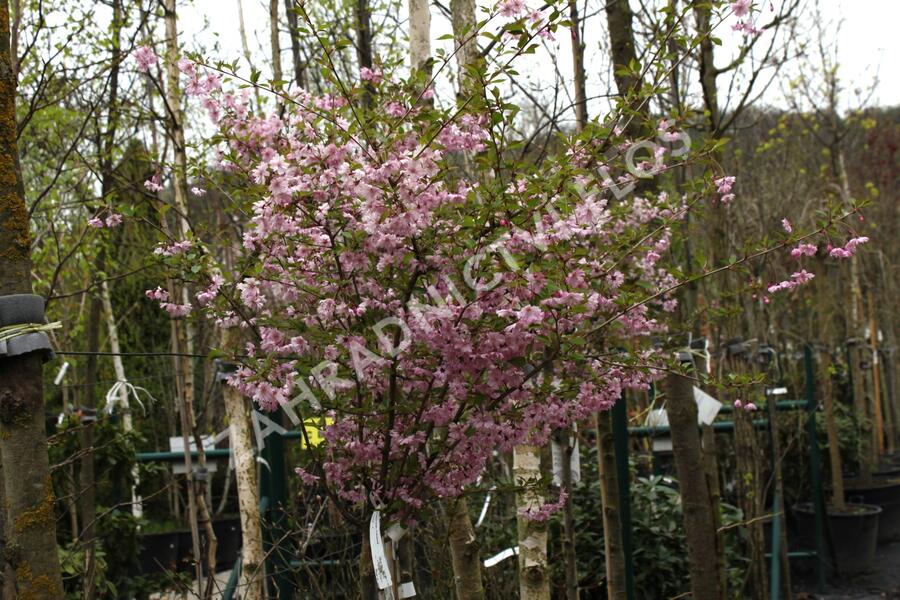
(251, 582)
(534, 580)
(419, 33)
(137, 508)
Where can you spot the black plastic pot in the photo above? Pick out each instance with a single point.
(854, 534)
(185, 551)
(228, 540)
(888, 470)
(881, 492)
(159, 552)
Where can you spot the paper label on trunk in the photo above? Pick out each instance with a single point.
(379, 558)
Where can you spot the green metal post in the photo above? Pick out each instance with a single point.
(775, 568)
(815, 467)
(273, 486)
(620, 444)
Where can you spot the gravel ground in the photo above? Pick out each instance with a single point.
(882, 582)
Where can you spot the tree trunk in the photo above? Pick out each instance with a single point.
(465, 41)
(834, 443)
(889, 366)
(620, 17)
(581, 116)
(87, 487)
(419, 33)
(464, 552)
(570, 559)
(182, 335)
(534, 569)
(275, 41)
(711, 469)
(29, 502)
(124, 404)
(299, 70)
(699, 520)
(875, 371)
(253, 557)
(363, 15)
(368, 589)
(609, 495)
(750, 486)
(861, 403)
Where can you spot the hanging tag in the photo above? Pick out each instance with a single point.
(407, 590)
(500, 557)
(61, 374)
(707, 407)
(484, 507)
(379, 558)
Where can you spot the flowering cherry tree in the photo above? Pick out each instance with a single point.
(435, 299)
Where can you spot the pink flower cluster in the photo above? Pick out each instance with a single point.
(112, 220)
(145, 58)
(723, 188)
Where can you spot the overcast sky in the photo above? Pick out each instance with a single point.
(869, 40)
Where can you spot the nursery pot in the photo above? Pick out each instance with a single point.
(853, 534)
(185, 551)
(228, 540)
(883, 492)
(159, 552)
(887, 470)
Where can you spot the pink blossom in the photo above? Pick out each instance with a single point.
(786, 225)
(741, 8)
(145, 58)
(157, 294)
(371, 75)
(113, 220)
(95, 222)
(804, 250)
(854, 242)
(154, 184)
(512, 8)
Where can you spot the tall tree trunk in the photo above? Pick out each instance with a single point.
(567, 448)
(464, 552)
(534, 569)
(861, 402)
(87, 486)
(197, 509)
(419, 33)
(465, 41)
(29, 502)
(293, 29)
(363, 16)
(699, 520)
(368, 589)
(124, 405)
(834, 444)
(253, 557)
(609, 495)
(889, 367)
(275, 41)
(620, 18)
(579, 77)
(875, 374)
(7, 575)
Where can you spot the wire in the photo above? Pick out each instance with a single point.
(83, 353)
